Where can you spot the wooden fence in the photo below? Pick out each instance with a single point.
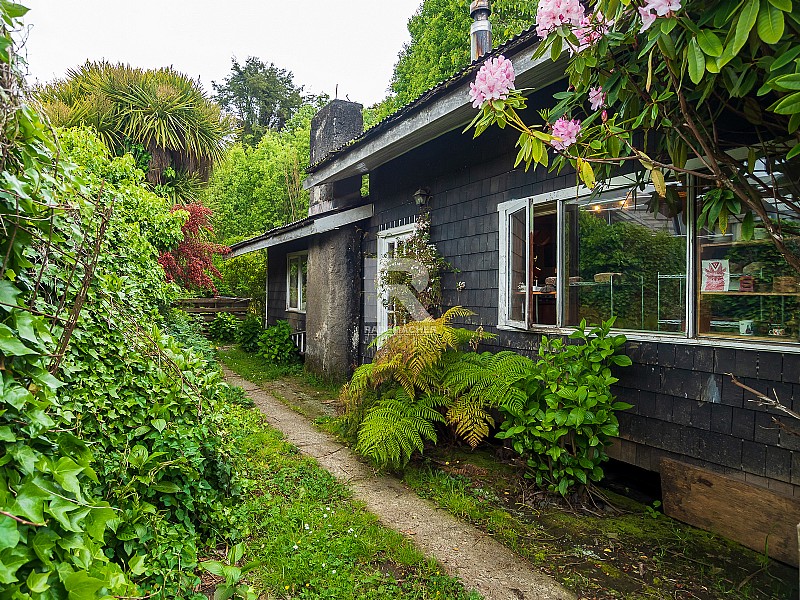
(209, 308)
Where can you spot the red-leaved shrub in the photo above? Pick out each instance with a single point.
(191, 263)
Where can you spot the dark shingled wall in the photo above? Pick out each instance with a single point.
(684, 406)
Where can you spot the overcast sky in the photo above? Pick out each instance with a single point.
(352, 43)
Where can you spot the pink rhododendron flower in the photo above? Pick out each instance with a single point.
(493, 81)
(663, 7)
(567, 131)
(590, 30)
(597, 98)
(551, 14)
(657, 8)
(648, 18)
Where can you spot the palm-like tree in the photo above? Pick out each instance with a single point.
(162, 112)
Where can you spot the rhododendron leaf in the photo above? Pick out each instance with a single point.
(696, 60)
(770, 24)
(709, 43)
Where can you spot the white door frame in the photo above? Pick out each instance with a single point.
(385, 238)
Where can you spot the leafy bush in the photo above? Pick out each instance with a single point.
(187, 330)
(224, 327)
(568, 417)
(276, 344)
(236, 395)
(249, 333)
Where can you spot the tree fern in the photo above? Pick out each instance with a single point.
(477, 382)
(397, 426)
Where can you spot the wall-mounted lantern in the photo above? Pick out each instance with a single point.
(422, 197)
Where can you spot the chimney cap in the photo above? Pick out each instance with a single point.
(478, 5)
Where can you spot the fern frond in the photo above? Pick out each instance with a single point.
(470, 420)
(396, 427)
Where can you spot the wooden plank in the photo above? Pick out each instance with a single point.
(755, 517)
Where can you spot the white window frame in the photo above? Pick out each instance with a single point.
(506, 209)
(300, 308)
(386, 237)
(561, 198)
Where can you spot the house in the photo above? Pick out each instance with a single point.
(534, 254)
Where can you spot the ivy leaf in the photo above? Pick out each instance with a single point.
(81, 586)
(697, 61)
(10, 344)
(37, 582)
(770, 24)
(66, 474)
(9, 534)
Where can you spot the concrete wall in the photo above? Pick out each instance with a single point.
(334, 302)
(331, 128)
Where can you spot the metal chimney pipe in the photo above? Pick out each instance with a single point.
(481, 31)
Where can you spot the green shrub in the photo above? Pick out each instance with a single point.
(236, 395)
(224, 328)
(187, 330)
(250, 331)
(276, 345)
(568, 417)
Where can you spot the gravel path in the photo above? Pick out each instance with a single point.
(475, 558)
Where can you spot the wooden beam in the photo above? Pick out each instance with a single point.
(755, 517)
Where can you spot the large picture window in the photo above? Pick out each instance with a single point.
(631, 254)
(627, 258)
(746, 289)
(296, 275)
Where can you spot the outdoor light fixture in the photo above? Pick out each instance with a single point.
(422, 196)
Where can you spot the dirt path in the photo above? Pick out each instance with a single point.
(479, 561)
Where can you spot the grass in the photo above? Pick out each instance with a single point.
(254, 368)
(312, 540)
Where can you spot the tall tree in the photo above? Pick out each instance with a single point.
(162, 116)
(440, 45)
(260, 95)
(255, 189)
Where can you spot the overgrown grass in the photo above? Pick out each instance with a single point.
(313, 540)
(254, 367)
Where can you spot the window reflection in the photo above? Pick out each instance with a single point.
(626, 258)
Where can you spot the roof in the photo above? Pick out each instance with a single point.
(309, 226)
(441, 109)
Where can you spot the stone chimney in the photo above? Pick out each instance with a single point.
(332, 127)
(481, 31)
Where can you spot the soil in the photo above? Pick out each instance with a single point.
(475, 558)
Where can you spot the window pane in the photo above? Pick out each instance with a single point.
(294, 265)
(303, 280)
(626, 258)
(544, 250)
(518, 265)
(746, 289)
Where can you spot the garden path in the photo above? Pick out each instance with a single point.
(478, 560)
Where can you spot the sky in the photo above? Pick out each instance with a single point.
(351, 43)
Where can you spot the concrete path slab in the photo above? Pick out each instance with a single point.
(475, 558)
